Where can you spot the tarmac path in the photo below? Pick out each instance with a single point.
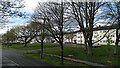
(16, 57)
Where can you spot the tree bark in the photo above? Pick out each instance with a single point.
(89, 52)
(86, 49)
(25, 44)
(116, 43)
(62, 49)
(41, 49)
(88, 44)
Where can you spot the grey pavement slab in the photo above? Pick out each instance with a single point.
(17, 56)
(8, 62)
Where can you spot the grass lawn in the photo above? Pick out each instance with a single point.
(33, 46)
(53, 61)
(103, 54)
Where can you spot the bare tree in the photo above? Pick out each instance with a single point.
(40, 30)
(10, 8)
(53, 13)
(27, 33)
(114, 12)
(42, 35)
(85, 14)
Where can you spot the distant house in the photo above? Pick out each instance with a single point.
(78, 38)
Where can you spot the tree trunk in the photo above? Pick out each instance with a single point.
(90, 34)
(62, 53)
(89, 46)
(85, 42)
(116, 48)
(89, 51)
(90, 42)
(41, 42)
(41, 49)
(25, 44)
(86, 49)
(116, 43)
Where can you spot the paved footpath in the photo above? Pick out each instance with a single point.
(8, 62)
(15, 56)
(67, 58)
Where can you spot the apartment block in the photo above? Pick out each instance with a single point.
(78, 38)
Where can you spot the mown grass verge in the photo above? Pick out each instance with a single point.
(33, 46)
(104, 54)
(53, 60)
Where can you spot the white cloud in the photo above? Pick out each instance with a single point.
(23, 24)
(30, 5)
(3, 30)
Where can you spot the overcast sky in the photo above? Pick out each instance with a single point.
(30, 5)
(29, 8)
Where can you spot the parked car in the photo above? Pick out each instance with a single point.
(96, 45)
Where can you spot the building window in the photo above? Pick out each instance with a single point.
(81, 36)
(104, 31)
(95, 32)
(113, 36)
(80, 40)
(95, 36)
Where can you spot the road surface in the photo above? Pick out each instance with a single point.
(16, 57)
